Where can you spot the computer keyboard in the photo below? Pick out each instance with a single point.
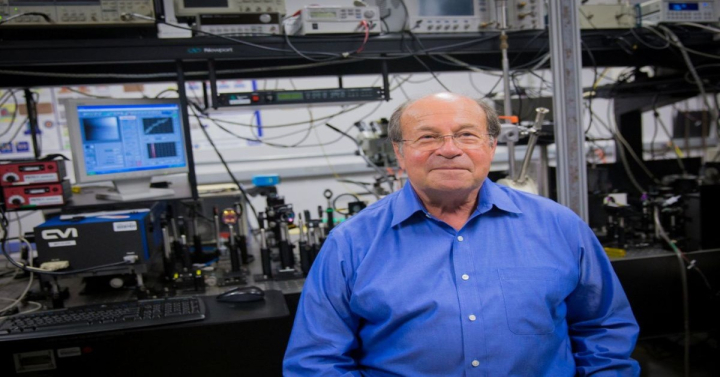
(103, 317)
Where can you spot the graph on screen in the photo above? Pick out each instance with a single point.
(161, 150)
(156, 126)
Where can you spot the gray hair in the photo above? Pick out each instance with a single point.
(491, 120)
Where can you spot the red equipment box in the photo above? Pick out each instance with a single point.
(31, 172)
(34, 196)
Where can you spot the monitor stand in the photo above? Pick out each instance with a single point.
(135, 189)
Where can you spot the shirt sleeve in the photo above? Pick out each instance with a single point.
(323, 337)
(601, 324)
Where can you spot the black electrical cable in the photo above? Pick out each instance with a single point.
(197, 213)
(86, 94)
(6, 96)
(547, 84)
(4, 223)
(639, 38)
(361, 184)
(685, 290)
(222, 160)
(289, 43)
(263, 141)
(517, 87)
(8, 272)
(305, 54)
(334, 202)
(169, 90)
(239, 41)
(426, 66)
(387, 28)
(519, 68)
(717, 121)
(43, 15)
(655, 131)
(383, 175)
(293, 124)
(308, 131)
(14, 114)
(56, 273)
(528, 63)
(490, 92)
(17, 131)
(592, 87)
(586, 17)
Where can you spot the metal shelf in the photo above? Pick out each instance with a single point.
(130, 58)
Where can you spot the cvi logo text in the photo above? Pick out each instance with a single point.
(56, 234)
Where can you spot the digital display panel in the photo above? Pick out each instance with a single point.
(322, 14)
(683, 6)
(290, 96)
(205, 3)
(434, 8)
(32, 2)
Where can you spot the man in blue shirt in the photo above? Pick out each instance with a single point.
(454, 275)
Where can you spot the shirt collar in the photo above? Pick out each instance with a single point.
(408, 203)
(493, 195)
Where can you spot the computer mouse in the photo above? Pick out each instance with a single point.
(242, 294)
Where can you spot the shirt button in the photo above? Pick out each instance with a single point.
(465, 276)
(427, 215)
(472, 317)
(475, 363)
(460, 238)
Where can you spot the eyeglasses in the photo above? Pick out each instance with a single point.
(463, 140)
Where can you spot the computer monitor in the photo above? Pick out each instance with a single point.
(450, 16)
(126, 141)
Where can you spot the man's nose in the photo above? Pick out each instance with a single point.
(449, 145)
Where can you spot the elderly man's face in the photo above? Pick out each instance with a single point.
(449, 168)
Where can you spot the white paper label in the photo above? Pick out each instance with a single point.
(37, 178)
(46, 200)
(125, 226)
(240, 101)
(62, 243)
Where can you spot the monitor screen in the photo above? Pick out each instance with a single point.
(122, 140)
(434, 8)
(683, 6)
(205, 3)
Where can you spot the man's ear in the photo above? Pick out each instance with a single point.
(399, 154)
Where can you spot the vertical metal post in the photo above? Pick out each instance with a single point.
(567, 102)
(502, 15)
(213, 84)
(31, 107)
(206, 100)
(182, 93)
(543, 167)
(386, 80)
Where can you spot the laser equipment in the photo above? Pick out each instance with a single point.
(85, 13)
(657, 11)
(335, 20)
(197, 7)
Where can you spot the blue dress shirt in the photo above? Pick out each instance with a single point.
(523, 289)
